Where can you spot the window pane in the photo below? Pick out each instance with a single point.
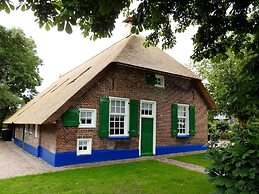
(117, 118)
(122, 103)
(89, 121)
(117, 103)
(118, 110)
(121, 131)
(82, 121)
(116, 124)
(112, 103)
(111, 124)
(122, 110)
(80, 148)
(85, 148)
(83, 114)
(117, 131)
(112, 131)
(112, 109)
(89, 114)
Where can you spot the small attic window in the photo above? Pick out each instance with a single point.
(159, 80)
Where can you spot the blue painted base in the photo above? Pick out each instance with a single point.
(27, 147)
(70, 158)
(160, 150)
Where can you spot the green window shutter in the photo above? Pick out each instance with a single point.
(71, 118)
(104, 117)
(174, 116)
(133, 124)
(192, 120)
(150, 79)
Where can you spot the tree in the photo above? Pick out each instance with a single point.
(223, 25)
(215, 18)
(231, 86)
(19, 74)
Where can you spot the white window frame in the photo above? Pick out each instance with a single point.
(36, 131)
(162, 79)
(153, 109)
(187, 128)
(126, 118)
(89, 147)
(26, 128)
(93, 124)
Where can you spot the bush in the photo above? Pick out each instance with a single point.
(235, 167)
(226, 135)
(222, 126)
(212, 127)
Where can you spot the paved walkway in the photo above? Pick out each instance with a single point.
(16, 162)
(182, 164)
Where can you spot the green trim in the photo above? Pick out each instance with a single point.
(147, 125)
(104, 117)
(71, 118)
(192, 120)
(174, 117)
(133, 118)
(151, 78)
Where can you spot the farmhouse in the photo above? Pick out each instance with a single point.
(126, 102)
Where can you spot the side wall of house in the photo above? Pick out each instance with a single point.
(122, 81)
(27, 137)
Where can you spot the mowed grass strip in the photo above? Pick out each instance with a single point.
(198, 159)
(148, 176)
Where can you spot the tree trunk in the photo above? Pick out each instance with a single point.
(242, 122)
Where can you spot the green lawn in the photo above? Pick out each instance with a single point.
(148, 176)
(198, 159)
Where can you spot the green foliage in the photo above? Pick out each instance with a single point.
(19, 73)
(148, 176)
(233, 85)
(214, 18)
(212, 127)
(222, 126)
(235, 167)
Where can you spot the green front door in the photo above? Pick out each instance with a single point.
(147, 136)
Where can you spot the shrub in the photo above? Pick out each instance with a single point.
(212, 127)
(226, 134)
(222, 126)
(235, 167)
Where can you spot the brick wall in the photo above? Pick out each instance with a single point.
(122, 81)
(48, 136)
(29, 136)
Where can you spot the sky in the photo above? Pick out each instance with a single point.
(61, 52)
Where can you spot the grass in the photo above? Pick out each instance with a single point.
(198, 159)
(148, 176)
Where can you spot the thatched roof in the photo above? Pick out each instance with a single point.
(128, 51)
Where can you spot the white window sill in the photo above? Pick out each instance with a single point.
(86, 126)
(83, 154)
(159, 86)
